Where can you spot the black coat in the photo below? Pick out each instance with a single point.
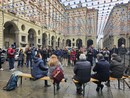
(116, 67)
(82, 71)
(44, 54)
(102, 70)
(114, 50)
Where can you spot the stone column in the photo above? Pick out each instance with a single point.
(17, 38)
(1, 30)
(54, 43)
(36, 41)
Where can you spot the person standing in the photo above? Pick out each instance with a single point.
(73, 56)
(65, 57)
(106, 54)
(82, 71)
(114, 50)
(90, 54)
(28, 57)
(20, 58)
(11, 57)
(0, 60)
(44, 55)
(122, 52)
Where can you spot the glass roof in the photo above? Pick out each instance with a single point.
(104, 7)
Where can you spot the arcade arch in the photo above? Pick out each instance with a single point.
(121, 41)
(31, 37)
(79, 43)
(52, 41)
(10, 34)
(44, 39)
(68, 42)
(58, 42)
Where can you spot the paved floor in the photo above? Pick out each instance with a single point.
(36, 89)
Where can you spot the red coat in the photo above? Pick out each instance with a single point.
(73, 55)
(11, 53)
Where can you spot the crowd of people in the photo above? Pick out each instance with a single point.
(43, 61)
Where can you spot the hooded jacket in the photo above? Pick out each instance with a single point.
(116, 67)
(39, 70)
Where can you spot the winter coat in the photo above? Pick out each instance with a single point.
(44, 54)
(11, 53)
(29, 54)
(65, 54)
(114, 50)
(21, 56)
(102, 70)
(73, 55)
(58, 52)
(39, 70)
(116, 67)
(82, 71)
(90, 53)
(122, 51)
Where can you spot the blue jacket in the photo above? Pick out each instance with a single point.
(38, 68)
(58, 52)
(102, 70)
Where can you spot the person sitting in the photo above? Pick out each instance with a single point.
(82, 71)
(39, 70)
(102, 72)
(53, 64)
(116, 68)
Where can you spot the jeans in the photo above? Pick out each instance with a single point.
(20, 63)
(11, 63)
(29, 61)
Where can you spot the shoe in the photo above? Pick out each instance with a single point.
(12, 69)
(33, 79)
(97, 89)
(58, 87)
(101, 87)
(66, 79)
(107, 84)
(47, 85)
(1, 69)
(79, 91)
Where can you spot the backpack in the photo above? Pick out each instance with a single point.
(57, 74)
(12, 83)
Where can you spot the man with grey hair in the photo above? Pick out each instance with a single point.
(102, 71)
(82, 71)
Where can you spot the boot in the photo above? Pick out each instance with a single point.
(58, 86)
(46, 84)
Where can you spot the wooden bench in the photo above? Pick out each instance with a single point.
(84, 84)
(26, 75)
(111, 79)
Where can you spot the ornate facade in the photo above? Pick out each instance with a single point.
(45, 23)
(117, 29)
